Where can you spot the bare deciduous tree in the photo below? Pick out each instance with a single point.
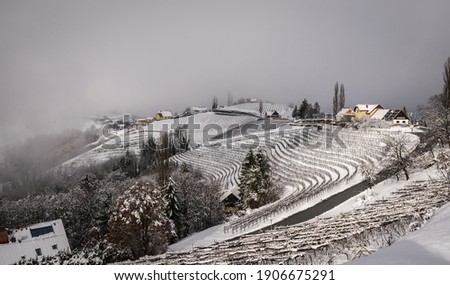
(397, 149)
(436, 113)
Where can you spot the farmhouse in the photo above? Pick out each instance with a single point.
(272, 114)
(366, 110)
(36, 241)
(398, 117)
(345, 115)
(163, 115)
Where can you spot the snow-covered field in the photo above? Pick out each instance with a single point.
(429, 245)
(331, 240)
(203, 126)
(325, 171)
(253, 108)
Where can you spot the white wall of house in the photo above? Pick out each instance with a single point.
(47, 245)
(401, 122)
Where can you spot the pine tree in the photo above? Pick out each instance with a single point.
(316, 108)
(172, 207)
(249, 181)
(267, 190)
(264, 169)
(303, 110)
(295, 112)
(256, 187)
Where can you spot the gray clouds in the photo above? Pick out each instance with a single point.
(63, 60)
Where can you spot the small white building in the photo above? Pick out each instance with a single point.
(36, 241)
(197, 110)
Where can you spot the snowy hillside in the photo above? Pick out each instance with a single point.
(301, 160)
(132, 139)
(331, 240)
(253, 108)
(428, 245)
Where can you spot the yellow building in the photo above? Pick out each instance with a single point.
(163, 115)
(366, 110)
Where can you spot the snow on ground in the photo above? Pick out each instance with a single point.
(216, 234)
(426, 246)
(380, 191)
(205, 125)
(253, 108)
(134, 138)
(406, 129)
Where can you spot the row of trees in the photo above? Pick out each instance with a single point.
(132, 206)
(338, 98)
(306, 110)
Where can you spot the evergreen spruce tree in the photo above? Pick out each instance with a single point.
(294, 112)
(256, 187)
(303, 110)
(172, 207)
(268, 192)
(249, 184)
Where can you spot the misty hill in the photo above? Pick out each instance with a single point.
(253, 108)
(133, 138)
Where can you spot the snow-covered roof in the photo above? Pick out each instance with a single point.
(165, 113)
(380, 113)
(231, 191)
(272, 113)
(368, 107)
(344, 111)
(199, 108)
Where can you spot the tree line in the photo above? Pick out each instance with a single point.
(306, 110)
(125, 208)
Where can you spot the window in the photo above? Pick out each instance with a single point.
(38, 252)
(55, 247)
(41, 231)
(403, 122)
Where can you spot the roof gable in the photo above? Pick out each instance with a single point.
(380, 114)
(368, 107)
(344, 111)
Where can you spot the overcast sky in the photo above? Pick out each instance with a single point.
(63, 60)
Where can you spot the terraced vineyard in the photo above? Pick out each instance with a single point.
(310, 161)
(327, 240)
(133, 138)
(253, 108)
